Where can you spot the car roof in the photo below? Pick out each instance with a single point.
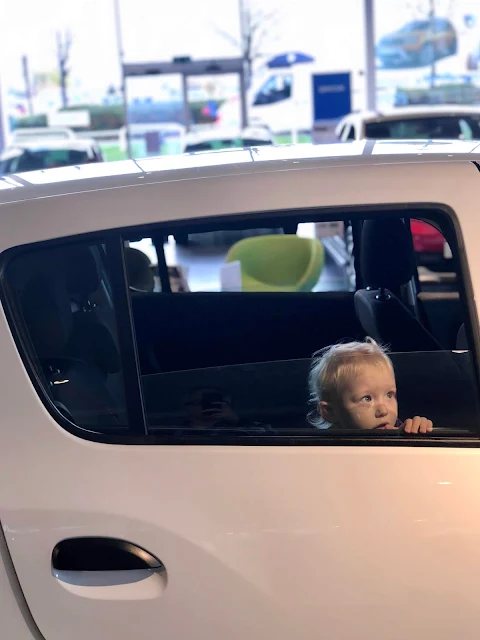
(194, 166)
(41, 144)
(44, 132)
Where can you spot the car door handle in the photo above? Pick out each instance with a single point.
(80, 563)
(102, 554)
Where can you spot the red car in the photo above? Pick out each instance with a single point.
(429, 243)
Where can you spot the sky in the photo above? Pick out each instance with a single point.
(332, 31)
(150, 32)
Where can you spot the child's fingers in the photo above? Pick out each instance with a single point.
(427, 425)
(418, 424)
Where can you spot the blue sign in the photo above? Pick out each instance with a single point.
(331, 96)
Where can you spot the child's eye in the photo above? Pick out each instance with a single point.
(367, 399)
(391, 394)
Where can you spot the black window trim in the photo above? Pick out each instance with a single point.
(125, 327)
(430, 212)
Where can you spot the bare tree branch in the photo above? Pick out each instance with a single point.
(257, 26)
(64, 45)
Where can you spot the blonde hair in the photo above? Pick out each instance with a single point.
(332, 365)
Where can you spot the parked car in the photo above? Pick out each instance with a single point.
(36, 155)
(158, 473)
(219, 138)
(418, 43)
(440, 122)
(29, 134)
(227, 138)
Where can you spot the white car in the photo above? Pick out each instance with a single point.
(29, 134)
(158, 474)
(444, 122)
(32, 155)
(219, 138)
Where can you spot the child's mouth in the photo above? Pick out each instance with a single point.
(383, 425)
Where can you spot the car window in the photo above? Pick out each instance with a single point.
(64, 296)
(438, 286)
(199, 261)
(134, 335)
(351, 133)
(429, 128)
(45, 159)
(275, 89)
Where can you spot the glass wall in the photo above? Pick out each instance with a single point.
(427, 52)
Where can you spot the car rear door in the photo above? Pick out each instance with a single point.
(122, 533)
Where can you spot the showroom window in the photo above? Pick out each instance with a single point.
(118, 353)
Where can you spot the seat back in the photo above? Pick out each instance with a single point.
(76, 386)
(139, 270)
(387, 262)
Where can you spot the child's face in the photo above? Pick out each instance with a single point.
(367, 400)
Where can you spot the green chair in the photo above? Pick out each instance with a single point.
(278, 262)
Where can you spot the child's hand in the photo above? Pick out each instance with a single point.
(418, 425)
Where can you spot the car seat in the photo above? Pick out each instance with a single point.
(139, 270)
(75, 387)
(91, 339)
(278, 262)
(387, 262)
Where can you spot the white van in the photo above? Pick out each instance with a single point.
(282, 101)
(159, 477)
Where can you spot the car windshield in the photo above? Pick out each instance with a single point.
(34, 160)
(426, 128)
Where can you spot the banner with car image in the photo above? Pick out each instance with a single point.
(427, 52)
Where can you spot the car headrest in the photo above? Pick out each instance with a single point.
(81, 271)
(387, 258)
(47, 314)
(139, 270)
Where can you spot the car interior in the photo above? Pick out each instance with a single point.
(256, 345)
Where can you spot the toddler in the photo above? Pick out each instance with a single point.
(352, 386)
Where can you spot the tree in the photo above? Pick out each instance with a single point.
(64, 44)
(256, 26)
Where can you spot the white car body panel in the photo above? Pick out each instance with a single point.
(261, 541)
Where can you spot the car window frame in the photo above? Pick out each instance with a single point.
(138, 434)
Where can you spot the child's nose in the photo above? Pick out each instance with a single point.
(381, 410)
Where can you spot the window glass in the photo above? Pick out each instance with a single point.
(438, 291)
(231, 354)
(275, 89)
(351, 133)
(63, 299)
(203, 261)
(224, 331)
(441, 127)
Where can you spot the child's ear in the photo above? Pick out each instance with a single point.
(326, 411)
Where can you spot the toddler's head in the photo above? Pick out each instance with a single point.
(352, 386)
